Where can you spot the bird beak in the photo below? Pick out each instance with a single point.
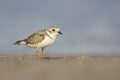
(60, 32)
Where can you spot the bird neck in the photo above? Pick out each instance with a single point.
(50, 35)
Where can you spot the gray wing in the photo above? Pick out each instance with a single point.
(35, 38)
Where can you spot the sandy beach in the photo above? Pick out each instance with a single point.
(25, 67)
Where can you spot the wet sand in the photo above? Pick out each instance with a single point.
(26, 67)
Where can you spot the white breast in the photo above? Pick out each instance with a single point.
(46, 42)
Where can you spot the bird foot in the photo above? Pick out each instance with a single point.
(43, 57)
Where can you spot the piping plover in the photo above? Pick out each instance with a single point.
(41, 39)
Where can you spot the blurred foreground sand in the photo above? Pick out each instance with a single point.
(25, 67)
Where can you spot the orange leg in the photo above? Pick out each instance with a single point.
(37, 53)
(43, 56)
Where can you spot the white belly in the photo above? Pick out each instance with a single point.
(46, 42)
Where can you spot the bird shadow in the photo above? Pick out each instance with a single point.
(53, 58)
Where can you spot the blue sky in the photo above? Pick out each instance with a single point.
(88, 26)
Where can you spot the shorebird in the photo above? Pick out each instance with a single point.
(41, 39)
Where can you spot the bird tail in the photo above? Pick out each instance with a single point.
(20, 42)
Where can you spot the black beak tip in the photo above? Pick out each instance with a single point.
(60, 32)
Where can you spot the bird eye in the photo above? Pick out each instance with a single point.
(53, 29)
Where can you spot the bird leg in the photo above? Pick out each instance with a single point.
(43, 56)
(38, 53)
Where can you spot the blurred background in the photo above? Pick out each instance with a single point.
(88, 26)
